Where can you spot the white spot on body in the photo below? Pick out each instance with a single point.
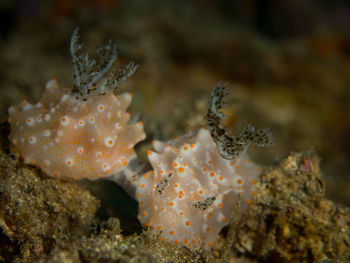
(109, 141)
(64, 97)
(32, 139)
(80, 150)
(30, 121)
(46, 117)
(69, 162)
(92, 119)
(106, 167)
(100, 108)
(46, 133)
(64, 120)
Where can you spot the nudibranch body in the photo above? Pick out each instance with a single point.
(190, 194)
(83, 132)
(198, 178)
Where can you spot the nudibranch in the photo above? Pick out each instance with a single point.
(191, 192)
(82, 132)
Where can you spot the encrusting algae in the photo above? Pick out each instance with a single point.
(199, 183)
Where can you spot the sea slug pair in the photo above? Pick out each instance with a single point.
(84, 132)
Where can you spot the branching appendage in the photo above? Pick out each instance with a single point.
(96, 78)
(232, 147)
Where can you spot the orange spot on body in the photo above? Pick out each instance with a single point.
(181, 169)
(187, 223)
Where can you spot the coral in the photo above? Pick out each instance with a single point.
(191, 192)
(82, 132)
(291, 220)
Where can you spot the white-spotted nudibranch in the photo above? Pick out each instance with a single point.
(82, 132)
(191, 192)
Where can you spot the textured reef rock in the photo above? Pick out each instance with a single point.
(38, 213)
(295, 222)
(289, 220)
